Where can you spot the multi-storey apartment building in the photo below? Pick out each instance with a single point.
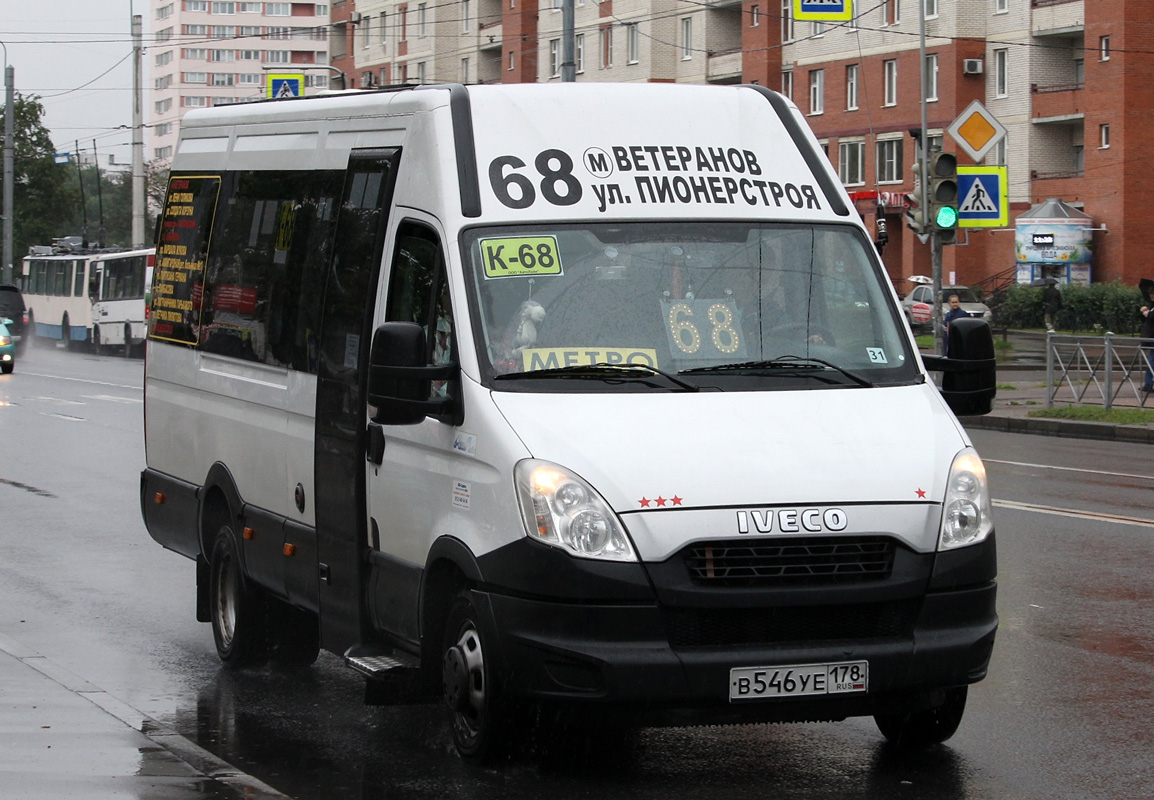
(207, 52)
(1070, 80)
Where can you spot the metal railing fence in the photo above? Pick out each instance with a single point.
(1098, 370)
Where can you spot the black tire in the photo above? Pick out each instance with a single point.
(237, 608)
(294, 635)
(477, 717)
(915, 730)
(7, 367)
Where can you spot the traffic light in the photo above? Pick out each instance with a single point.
(916, 202)
(943, 196)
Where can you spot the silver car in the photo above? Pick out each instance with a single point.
(917, 305)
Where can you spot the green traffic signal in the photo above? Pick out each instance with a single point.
(947, 217)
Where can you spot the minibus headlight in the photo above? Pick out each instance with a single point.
(563, 510)
(966, 515)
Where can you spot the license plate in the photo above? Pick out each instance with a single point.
(798, 680)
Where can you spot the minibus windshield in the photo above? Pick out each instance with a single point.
(729, 305)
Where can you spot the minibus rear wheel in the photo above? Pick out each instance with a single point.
(917, 729)
(239, 616)
(476, 714)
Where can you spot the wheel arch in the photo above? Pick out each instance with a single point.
(450, 568)
(220, 503)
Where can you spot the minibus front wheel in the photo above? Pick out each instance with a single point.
(927, 726)
(477, 715)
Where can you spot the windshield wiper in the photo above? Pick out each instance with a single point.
(781, 362)
(602, 371)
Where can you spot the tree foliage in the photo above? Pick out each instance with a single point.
(108, 204)
(42, 199)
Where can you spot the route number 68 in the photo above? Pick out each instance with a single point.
(558, 184)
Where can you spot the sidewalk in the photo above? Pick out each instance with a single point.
(62, 737)
(1022, 389)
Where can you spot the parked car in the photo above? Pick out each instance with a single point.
(7, 347)
(12, 309)
(918, 309)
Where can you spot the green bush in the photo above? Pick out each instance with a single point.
(1096, 308)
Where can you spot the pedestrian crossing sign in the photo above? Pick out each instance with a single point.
(823, 10)
(983, 197)
(280, 86)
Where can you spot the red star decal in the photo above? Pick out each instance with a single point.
(921, 492)
(676, 500)
(661, 501)
(644, 502)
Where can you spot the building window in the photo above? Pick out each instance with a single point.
(1001, 73)
(163, 129)
(512, 59)
(606, 48)
(223, 79)
(580, 49)
(787, 83)
(222, 55)
(1103, 48)
(1001, 150)
(164, 58)
(250, 79)
(277, 56)
(632, 43)
(464, 16)
(818, 30)
(931, 77)
(164, 12)
(754, 17)
(851, 87)
(250, 55)
(786, 20)
(164, 34)
(196, 30)
(196, 5)
(851, 163)
(890, 80)
(1103, 137)
(224, 31)
(931, 8)
(195, 77)
(278, 9)
(554, 58)
(224, 8)
(686, 39)
(422, 20)
(464, 70)
(162, 106)
(816, 91)
(1001, 6)
(420, 72)
(251, 8)
(891, 12)
(162, 152)
(890, 161)
(194, 102)
(1079, 158)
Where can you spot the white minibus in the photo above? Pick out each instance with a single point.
(580, 399)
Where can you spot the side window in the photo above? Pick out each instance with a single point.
(419, 292)
(265, 274)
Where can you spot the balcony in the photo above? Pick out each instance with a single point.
(1058, 102)
(1057, 17)
(723, 66)
(489, 37)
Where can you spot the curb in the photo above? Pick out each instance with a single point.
(1103, 431)
(233, 781)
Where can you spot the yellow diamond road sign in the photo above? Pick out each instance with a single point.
(976, 130)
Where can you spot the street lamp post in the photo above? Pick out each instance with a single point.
(9, 163)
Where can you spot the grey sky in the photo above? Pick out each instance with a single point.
(57, 46)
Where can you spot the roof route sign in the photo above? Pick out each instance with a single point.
(823, 10)
(279, 86)
(984, 194)
(976, 130)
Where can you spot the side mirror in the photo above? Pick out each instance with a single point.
(969, 370)
(401, 379)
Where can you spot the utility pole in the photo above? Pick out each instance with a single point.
(9, 166)
(138, 207)
(935, 237)
(568, 43)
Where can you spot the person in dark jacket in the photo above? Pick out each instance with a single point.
(1146, 331)
(1051, 305)
(951, 315)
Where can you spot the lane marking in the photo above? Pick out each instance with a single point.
(113, 398)
(1073, 512)
(1069, 469)
(82, 380)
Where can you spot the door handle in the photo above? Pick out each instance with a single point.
(375, 453)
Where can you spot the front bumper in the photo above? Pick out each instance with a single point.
(671, 665)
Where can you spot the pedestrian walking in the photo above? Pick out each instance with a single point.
(951, 315)
(1051, 305)
(1146, 331)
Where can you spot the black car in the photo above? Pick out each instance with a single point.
(12, 307)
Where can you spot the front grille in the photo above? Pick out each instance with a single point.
(767, 563)
(709, 627)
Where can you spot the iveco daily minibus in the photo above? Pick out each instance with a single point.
(586, 398)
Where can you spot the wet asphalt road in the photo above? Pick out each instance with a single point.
(1065, 712)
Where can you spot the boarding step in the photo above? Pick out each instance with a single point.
(392, 677)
